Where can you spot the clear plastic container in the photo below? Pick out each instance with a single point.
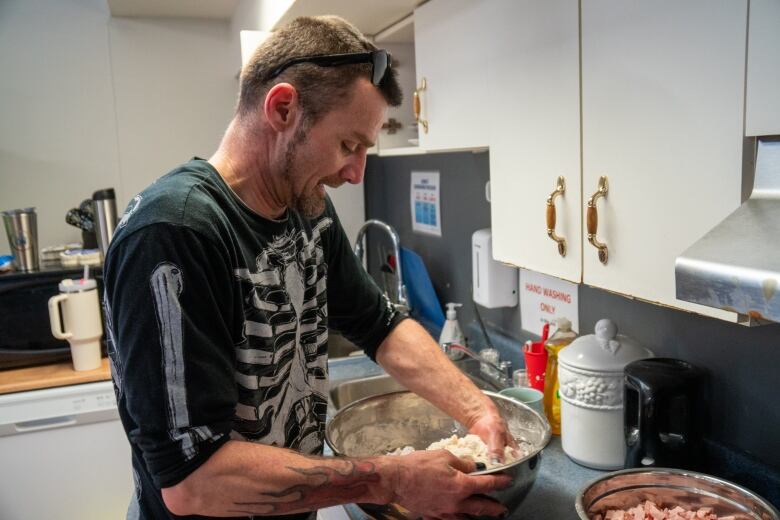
(491, 356)
(520, 378)
(552, 399)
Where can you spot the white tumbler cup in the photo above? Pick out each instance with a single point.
(78, 300)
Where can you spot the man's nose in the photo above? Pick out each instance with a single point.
(354, 170)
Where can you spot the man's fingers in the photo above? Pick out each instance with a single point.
(484, 484)
(496, 443)
(482, 506)
(463, 464)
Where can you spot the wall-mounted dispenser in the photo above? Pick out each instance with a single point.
(495, 284)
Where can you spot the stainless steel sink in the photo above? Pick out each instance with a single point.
(347, 392)
(339, 346)
(350, 391)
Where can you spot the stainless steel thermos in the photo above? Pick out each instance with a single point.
(104, 206)
(21, 225)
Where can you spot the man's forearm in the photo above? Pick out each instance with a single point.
(244, 478)
(411, 356)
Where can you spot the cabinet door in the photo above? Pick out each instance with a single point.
(451, 41)
(400, 131)
(662, 118)
(763, 69)
(535, 134)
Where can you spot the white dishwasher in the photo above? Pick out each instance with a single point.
(63, 454)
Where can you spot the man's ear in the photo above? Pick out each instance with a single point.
(281, 106)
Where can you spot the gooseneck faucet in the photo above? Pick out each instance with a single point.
(503, 370)
(403, 303)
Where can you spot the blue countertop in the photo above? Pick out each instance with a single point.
(556, 487)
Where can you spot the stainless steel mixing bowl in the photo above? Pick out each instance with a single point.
(380, 424)
(668, 488)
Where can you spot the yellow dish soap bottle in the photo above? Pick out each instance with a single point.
(552, 399)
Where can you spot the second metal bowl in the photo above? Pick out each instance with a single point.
(668, 488)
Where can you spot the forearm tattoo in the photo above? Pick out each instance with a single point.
(324, 487)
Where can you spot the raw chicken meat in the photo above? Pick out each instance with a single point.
(470, 446)
(651, 511)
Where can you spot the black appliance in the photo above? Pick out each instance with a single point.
(25, 333)
(663, 416)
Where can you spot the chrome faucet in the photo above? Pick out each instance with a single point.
(402, 304)
(503, 370)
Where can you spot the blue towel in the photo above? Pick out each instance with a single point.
(426, 307)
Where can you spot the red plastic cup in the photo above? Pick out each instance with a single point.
(535, 364)
(536, 360)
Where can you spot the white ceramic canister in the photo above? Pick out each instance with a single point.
(81, 323)
(590, 372)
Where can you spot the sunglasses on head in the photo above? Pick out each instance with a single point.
(380, 61)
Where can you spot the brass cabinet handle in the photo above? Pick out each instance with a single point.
(560, 189)
(593, 220)
(416, 105)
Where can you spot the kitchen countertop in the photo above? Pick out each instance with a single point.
(49, 376)
(556, 487)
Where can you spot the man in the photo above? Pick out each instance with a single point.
(221, 283)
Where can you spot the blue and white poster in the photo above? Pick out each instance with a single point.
(426, 210)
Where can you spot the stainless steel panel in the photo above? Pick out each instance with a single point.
(736, 266)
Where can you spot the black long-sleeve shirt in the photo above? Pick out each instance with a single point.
(218, 323)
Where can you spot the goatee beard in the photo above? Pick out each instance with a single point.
(308, 205)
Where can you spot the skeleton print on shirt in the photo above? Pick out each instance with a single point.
(282, 364)
(217, 326)
(167, 284)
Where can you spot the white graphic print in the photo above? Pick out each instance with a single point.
(282, 364)
(113, 358)
(167, 285)
(131, 209)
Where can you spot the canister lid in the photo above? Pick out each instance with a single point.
(75, 286)
(12, 212)
(104, 194)
(603, 351)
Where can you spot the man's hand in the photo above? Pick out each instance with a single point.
(492, 429)
(436, 484)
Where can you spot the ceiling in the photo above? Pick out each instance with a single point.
(213, 9)
(370, 16)
(401, 32)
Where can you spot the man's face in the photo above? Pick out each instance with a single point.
(333, 151)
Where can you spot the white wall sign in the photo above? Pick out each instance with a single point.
(426, 210)
(544, 298)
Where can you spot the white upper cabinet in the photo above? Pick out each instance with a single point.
(533, 101)
(763, 69)
(399, 131)
(662, 119)
(452, 43)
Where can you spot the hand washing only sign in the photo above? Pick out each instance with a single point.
(544, 298)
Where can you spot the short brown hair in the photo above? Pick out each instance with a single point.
(320, 89)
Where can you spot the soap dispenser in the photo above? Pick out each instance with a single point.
(451, 332)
